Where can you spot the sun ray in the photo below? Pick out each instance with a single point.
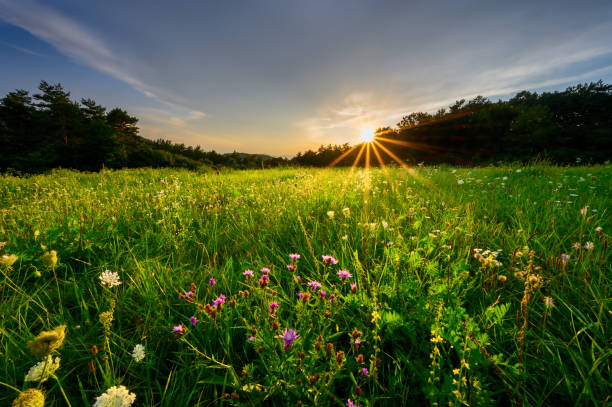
(356, 162)
(337, 160)
(367, 162)
(391, 154)
(378, 158)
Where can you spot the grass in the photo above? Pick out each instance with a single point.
(451, 268)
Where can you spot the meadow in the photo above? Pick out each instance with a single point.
(329, 287)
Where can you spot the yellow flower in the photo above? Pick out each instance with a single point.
(49, 259)
(48, 342)
(375, 316)
(30, 398)
(8, 259)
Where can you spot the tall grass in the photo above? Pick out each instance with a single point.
(452, 270)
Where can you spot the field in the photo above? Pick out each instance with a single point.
(479, 287)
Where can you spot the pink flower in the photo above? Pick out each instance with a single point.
(291, 267)
(273, 307)
(212, 281)
(294, 256)
(353, 288)
(344, 274)
(349, 403)
(220, 300)
(265, 277)
(323, 293)
(189, 294)
(364, 372)
(178, 328)
(298, 278)
(250, 338)
(565, 258)
(248, 273)
(265, 270)
(193, 320)
(328, 259)
(314, 284)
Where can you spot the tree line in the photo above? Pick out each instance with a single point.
(563, 127)
(48, 130)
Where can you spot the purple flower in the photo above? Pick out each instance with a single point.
(289, 336)
(301, 295)
(265, 277)
(265, 270)
(349, 403)
(344, 274)
(291, 267)
(364, 372)
(298, 278)
(248, 273)
(212, 281)
(314, 284)
(294, 256)
(193, 320)
(323, 293)
(178, 328)
(328, 259)
(353, 288)
(189, 294)
(273, 307)
(220, 300)
(250, 338)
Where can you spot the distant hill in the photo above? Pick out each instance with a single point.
(263, 157)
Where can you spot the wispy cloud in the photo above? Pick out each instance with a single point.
(22, 49)
(82, 45)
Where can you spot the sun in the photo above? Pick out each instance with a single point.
(367, 136)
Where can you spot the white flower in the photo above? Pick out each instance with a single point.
(598, 229)
(589, 245)
(116, 396)
(109, 279)
(384, 224)
(346, 212)
(138, 353)
(519, 170)
(549, 302)
(42, 370)
(8, 259)
(331, 214)
(460, 182)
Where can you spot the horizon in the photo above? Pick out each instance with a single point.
(277, 80)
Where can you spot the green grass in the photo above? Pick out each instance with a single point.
(438, 325)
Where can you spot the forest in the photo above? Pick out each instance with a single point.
(49, 130)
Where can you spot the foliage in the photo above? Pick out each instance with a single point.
(489, 291)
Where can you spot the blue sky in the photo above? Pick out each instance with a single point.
(281, 76)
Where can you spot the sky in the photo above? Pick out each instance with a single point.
(278, 77)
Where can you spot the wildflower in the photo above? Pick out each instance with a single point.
(248, 273)
(138, 353)
(273, 307)
(212, 281)
(384, 224)
(298, 278)
(565, 258)
(354, 288)
(460, 182)
(251, 338)
(589, 245)
(346, 212)
(265, 270)
(294, 256)
(583, 211)
(344, 274)
(345, 237)
(502, 278)
(8, 259)
(576, 245)
(220, 300)
(349, 403)
(518, 171)
(328, 259)
(189, 294)
(323, 293)
(356, 343)
(47, 342)
(42, 370)
(289, 336)
(314, 285)
(30, 398)
(178, 328)
(49, 259)
(109, 278)
(263, 281)
(598, 229)
(291, 267)
(364, 372)
(116, 396)
(549, 302)
(193, 320)
(330, 214)
(305, 297)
